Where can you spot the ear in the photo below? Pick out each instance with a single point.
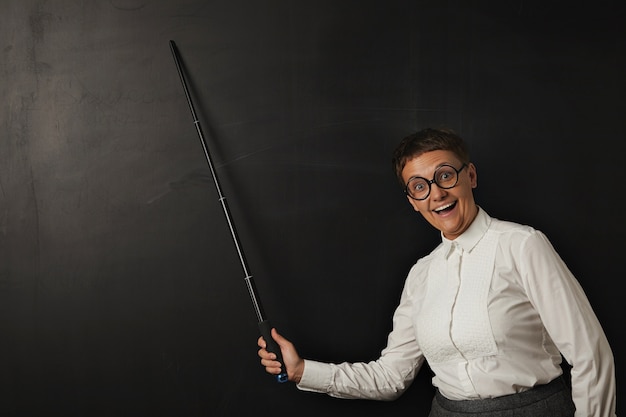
(471, 170)
(413, 203)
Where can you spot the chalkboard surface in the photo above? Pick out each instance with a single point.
(121, 293)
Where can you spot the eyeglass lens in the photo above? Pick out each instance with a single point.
(445, 177)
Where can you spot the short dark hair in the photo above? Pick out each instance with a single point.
(426, 140)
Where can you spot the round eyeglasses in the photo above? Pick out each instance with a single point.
(446, 177)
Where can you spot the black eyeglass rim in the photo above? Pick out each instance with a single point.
(432, 181)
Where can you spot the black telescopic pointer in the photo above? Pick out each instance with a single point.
(264, 324)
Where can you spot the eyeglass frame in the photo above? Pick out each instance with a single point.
(433, 181)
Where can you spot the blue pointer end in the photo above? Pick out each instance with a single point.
(282, 377)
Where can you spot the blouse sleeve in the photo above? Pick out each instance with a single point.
(572, 324)
(385, 378)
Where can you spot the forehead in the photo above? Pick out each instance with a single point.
(425, 164)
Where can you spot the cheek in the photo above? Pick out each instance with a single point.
(414, 203)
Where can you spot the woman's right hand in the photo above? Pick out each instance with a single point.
(293, 362)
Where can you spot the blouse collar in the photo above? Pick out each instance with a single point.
(469, 238)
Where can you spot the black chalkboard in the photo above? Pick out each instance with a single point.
(120, 289)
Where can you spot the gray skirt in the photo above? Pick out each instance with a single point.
(553, 399)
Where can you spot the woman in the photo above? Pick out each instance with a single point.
(492, 309)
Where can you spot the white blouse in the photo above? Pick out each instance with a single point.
(491, 311)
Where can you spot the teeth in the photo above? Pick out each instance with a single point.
(443, 207)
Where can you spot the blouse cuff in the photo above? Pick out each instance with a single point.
(316, 376)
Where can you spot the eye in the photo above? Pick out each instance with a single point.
(445, 175)
(419, 186)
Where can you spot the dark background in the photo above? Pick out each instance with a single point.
(121, 293)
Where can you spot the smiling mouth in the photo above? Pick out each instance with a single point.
(445, 209)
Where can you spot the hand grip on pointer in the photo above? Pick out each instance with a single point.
(271, 346)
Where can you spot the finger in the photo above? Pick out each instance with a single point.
(273, 371)
(264, 354)
(270, 363)
(278, 337)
